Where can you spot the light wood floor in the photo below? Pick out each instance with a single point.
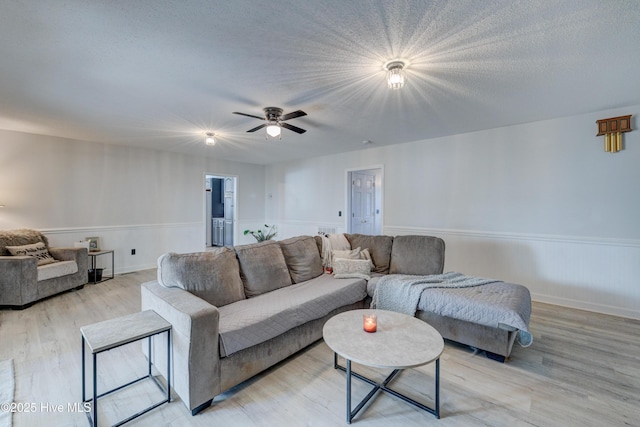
(583, 369)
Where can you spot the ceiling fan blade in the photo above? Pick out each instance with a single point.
(293, 115)
(257, 128)
(293, 128)
(249, 115)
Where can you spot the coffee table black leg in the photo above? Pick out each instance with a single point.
(383, 386)
(437, 402)
(352, 413)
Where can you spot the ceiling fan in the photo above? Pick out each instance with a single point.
(275, 120)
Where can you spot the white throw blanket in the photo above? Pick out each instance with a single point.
(332, 242)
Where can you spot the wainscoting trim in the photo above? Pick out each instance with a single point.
(398, 230)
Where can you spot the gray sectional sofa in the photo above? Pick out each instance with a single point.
(237, 311)
(481, 317)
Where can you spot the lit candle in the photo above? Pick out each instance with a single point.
(370, 322)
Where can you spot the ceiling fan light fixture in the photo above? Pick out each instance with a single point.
(395, 74)
(274, 131)
(209, 139)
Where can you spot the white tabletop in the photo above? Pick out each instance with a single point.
(122, 330)
(400, 342)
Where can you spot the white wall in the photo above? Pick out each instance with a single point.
(131, 198)
(540, 204)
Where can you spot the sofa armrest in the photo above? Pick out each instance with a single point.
(196, 357)
(19, 280)
(79, 255)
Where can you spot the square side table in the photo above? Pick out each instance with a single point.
(107, 335)
(93, 255)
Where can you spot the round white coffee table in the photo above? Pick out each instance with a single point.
(400, 342)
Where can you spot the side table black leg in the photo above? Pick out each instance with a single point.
(348, 391)
(95, 390)
(93, 268)
(149, 358)
(168, 366)
(84, 396)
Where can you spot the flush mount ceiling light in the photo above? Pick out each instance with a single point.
(209, 139)
(395, 74)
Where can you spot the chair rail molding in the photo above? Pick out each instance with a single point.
(149, 240)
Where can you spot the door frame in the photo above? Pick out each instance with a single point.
(235, 204)
(378, 171)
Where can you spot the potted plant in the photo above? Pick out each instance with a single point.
(261, 236)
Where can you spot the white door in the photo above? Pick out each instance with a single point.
(362, 203)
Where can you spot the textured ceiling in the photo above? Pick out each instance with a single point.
(158, 74)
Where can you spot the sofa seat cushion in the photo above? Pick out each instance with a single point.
(246, 323)
(56, 269)
(379, 248)
(213, 275)
(417, 255)
(262, 267)
(302, 257)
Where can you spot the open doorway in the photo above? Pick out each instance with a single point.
(364, 201)
(220, 213)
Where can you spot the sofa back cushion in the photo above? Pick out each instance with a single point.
(20, 237)
(262, 267)
(420, 255)
(302, 258)
(379, 248)
(213, 276)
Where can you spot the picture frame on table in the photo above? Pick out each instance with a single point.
(94, 244)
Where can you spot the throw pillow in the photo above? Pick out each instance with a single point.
(213, 276)
(364, 254)
(302, 257)
(349, 254)
(20, 237)
(379, 247)
(356, 253)
(36, 250)
(262, 267)
(351, 268)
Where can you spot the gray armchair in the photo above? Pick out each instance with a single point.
(23, 282)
